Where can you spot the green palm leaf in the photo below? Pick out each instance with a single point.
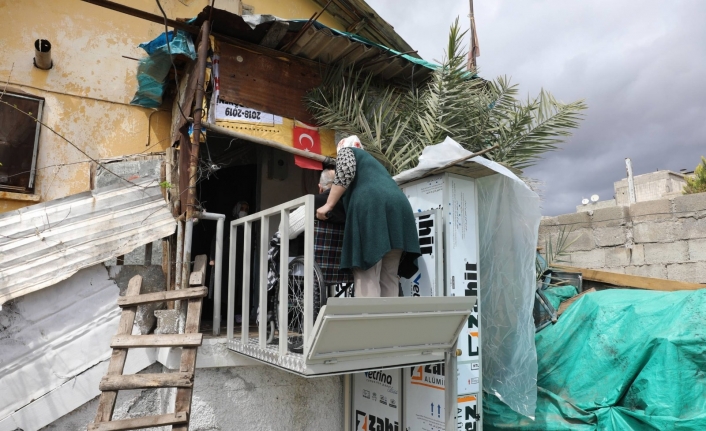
(396, 123)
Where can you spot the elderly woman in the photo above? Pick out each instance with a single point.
(380, 228)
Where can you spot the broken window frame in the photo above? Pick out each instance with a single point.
(35, 147)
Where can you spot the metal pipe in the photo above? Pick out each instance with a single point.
(264, 234)
(179, 254)
(245, 292)
(220, 219)
(262, 141)
(283, 281)
(230, 317)
(308, 271)
(186, 267)
(347, 419)
(42, 54)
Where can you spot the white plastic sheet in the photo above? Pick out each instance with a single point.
(509, 215)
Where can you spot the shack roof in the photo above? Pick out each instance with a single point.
(317, 42)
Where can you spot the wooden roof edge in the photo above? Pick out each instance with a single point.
(632, 281)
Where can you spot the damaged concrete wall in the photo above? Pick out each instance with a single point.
(54, 349)
(235, 398)
(660, 238)
(130, 404)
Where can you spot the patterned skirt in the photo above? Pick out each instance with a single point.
(328, 242)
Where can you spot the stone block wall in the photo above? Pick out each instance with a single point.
(661, 238)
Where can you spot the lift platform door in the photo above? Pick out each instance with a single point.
(380, 332)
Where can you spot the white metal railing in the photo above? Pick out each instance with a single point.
(264, 218)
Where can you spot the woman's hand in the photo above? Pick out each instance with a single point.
(321, 212)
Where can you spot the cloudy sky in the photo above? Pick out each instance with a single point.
(640, 66)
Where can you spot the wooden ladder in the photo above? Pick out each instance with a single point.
(183, 380)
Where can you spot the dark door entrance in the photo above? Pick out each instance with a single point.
(228, 176)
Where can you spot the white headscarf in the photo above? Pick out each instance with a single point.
(351, 141)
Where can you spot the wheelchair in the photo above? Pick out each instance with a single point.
(329, 281)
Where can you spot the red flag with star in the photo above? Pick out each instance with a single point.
(307, 139)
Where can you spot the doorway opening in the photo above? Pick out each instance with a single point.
(228, 176)
(236, 172)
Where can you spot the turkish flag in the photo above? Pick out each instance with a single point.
(307, 139)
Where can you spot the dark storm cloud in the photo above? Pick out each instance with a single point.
(640, 66)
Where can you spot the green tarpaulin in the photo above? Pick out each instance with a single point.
(557, 294)
(619, 360)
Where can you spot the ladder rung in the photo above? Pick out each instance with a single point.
(139, 423)
(170, 295)
(157, 340)
(145, 381)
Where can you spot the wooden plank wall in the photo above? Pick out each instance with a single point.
(269, 84)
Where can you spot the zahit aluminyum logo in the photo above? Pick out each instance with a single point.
(368, 422)
(432, 376)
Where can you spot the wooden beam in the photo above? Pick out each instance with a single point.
(106, 402)
(564, 305)
(198, 274)
(145, 381)
(632, 281)
(139, 423)
(159, 19)
(170, 295)
(262, 141)
(156, 340)
(188, 360)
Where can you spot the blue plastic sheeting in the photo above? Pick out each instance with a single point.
(619, 360)
(153, 70)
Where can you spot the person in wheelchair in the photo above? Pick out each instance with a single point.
(337, 214)
(328, 241)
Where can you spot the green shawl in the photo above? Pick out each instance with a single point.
(379, 217)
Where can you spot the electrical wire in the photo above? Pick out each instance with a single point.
(169, 50)
(70, 143)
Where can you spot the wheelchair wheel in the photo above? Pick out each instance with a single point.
(295, 302)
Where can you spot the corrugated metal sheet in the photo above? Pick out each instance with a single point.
(361, 19)
(322, 45)
(325, 46)
(43, 244)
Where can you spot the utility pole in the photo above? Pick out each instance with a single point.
(475, 49)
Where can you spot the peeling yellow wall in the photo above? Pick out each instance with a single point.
(293, 9)
(89, 88)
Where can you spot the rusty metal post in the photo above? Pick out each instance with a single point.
(204, 43)
(195, 141)
(198, 114)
